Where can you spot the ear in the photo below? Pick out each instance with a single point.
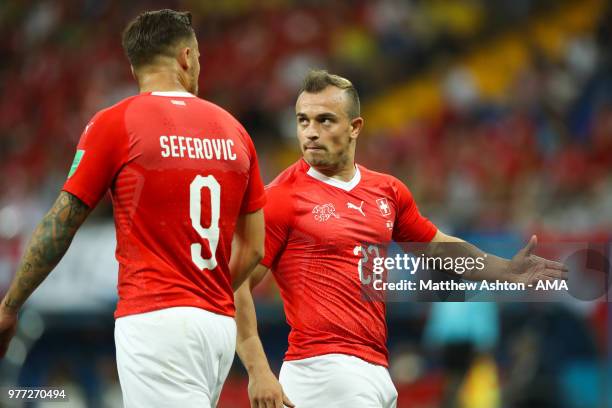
(183, 58)
(356, 126)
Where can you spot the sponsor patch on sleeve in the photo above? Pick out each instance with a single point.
(75, 163)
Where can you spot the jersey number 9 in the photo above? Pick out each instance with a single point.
(211, 234)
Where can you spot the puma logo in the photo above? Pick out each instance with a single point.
(354, 207)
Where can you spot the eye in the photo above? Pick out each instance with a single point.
(302, 121)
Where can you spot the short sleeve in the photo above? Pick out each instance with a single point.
(254, 195)
(277, 213)
(101, 152)
(410, 225)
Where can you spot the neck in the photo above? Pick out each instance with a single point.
(344, 173)
(160, 81)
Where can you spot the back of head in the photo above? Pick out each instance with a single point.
(155, 33)
(317, 80)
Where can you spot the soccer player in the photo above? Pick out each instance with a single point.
(185, 183)
(320, 212)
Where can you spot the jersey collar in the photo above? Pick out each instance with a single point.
(344, 185)
(175, 94)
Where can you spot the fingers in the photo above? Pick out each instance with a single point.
(561, 278)
(550, 275)
(271, 401)
(551, 269)
(266, 392)
(267, 403)
(549, 265)
(287, 402)
(556, 274)
(257, 403)
(528, 249)
(555, 265)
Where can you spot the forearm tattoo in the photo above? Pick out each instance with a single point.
(47, 246)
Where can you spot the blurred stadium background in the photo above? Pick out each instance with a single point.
(497, 115)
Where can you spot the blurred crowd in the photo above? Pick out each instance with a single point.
(538, 157)
(535, 154)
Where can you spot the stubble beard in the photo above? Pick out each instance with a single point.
(329, 163)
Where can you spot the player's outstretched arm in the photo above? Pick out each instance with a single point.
(524, 267)
(48, 244)
(247, 246)
(264, 388)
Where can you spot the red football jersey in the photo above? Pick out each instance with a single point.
(315, 229)
(180, 170)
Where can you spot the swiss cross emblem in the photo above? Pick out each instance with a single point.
(383, 206)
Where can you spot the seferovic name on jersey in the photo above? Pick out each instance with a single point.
(196, 148)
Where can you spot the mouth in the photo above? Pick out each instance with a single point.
(312, 147)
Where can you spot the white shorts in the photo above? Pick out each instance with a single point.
(339, 381)
(175, 357)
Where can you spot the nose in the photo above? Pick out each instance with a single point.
(311, 133)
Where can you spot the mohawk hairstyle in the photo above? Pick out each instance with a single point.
(317, 80)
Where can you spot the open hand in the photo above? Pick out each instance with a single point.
(528, 268)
